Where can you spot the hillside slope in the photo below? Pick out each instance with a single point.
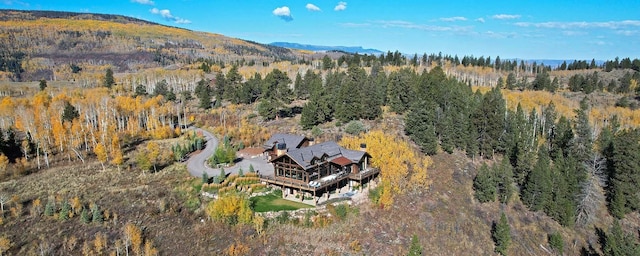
(36, 42)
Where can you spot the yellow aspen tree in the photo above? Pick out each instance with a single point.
(99, 243)
(36, 207)
(86, 249)
(101, 153)
(149, 250)
(400, 167)
(4, 163)
(116, 152)
(5, 245)
(58, 132)
(153, 152)
(76, 205)
(133, 238)
(237, 249)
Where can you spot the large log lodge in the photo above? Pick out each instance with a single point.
(302, 166)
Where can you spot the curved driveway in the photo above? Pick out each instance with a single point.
(196, 163)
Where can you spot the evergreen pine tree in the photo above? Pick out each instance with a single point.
(205, 177)
(162, 88)
(308, 117)
(619, 243)
(141, 90)
(624, 176)
(501, 234)
(43, 84)
(504, 179)
(582, 144)
(109, 81)
(536, 193)
(69, 112)
(251, 169)
(171, 95)
(222, 175)
(49, 208)
(399, 90)
(203, 92)
(566, 186)
(489, 120)
(96, 214)
(471, 146)
(84, 216)
(64, 211)
(419, 126)
(511, 81)
(484, 185)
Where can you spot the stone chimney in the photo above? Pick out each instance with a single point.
(312, 141)
(281, 149)
(363, 147)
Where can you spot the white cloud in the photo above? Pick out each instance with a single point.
(341, 6)
(182, 21)
(145, 2)
(573, 33)
(11, 2)
(581, 24)
(451, 19)
(505, 16)
(501, 34)
(166, 14)
(312, 7)
(411, 25)
(628, 32)
(481, 20)
(283, 13)
(355, 25)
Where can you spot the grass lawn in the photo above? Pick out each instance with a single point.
(274, 202)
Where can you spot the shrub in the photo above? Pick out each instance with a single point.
(375, 193)
(354, 127)
(283, 217)
(556, 242)
(231, 208)
(192, 203)
(339, 211)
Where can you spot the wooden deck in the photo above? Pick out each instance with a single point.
(300, 185)
(364, 174)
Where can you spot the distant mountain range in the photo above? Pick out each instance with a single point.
(321, 48)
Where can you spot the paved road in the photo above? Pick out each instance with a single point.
(196, 163)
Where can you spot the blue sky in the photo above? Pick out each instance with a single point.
(541, 29)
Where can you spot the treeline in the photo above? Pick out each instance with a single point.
(586, 83)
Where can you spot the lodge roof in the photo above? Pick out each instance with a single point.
(307, 157)
(291, 140)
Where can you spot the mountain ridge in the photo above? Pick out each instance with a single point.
(320, 48)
